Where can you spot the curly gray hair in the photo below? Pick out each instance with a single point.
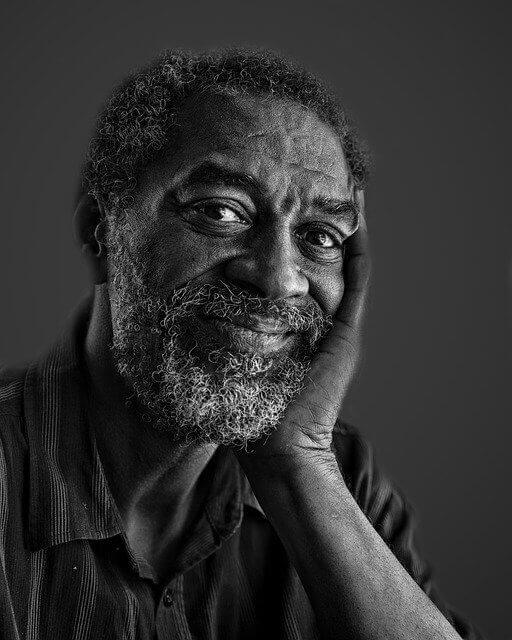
(136, 125)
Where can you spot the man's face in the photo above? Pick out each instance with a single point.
(228, 265)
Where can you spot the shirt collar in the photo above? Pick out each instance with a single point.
(69, 497)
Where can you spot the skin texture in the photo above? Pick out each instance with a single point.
(291, 155)
(294, 159)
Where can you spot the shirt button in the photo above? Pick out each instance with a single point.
(167, 599)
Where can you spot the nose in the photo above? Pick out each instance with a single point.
(269, 269)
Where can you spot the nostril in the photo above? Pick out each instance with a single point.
(267, 275)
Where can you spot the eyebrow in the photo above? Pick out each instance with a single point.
(210, 174)
(343, 210)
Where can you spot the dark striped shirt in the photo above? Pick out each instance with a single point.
(67, 571)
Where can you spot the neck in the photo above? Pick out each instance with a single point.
(154, 481)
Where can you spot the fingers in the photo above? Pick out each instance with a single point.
(333, 367)
(357, 267)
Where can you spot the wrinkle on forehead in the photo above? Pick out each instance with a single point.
(284, 131)
(286, 160)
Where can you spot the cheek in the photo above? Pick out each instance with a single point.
(173, 257)
(328, 292)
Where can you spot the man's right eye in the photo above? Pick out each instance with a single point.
(221, 212)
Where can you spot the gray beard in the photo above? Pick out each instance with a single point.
(205, 393)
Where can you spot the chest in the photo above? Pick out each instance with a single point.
(245, 588)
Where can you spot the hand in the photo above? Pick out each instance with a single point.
(307, 424)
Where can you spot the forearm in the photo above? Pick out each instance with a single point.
(357, 587)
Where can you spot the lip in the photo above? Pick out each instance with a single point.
(258, 324)
(253, 333)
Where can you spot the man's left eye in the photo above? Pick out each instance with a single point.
(320, 238)
(220, 212)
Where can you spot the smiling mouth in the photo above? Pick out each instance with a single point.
(256, 323)
(250, 333)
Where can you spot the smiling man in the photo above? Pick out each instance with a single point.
(178, 464)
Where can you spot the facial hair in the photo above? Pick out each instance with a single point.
(202, 390)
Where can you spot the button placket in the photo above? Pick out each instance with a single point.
(171, 620)
(168, 598)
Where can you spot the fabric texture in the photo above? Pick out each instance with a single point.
(67, 570)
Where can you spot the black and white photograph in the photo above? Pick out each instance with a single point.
(256, 321)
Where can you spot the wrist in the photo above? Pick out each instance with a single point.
(295, 465)
(295, 491)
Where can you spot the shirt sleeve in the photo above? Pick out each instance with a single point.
(391, 516)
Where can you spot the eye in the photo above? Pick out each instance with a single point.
(220, 212)
(320, 238)
(321, 243)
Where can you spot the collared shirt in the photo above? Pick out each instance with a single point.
(67, 571)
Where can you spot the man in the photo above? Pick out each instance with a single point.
(178, 466)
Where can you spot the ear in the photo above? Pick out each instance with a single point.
(89, 226)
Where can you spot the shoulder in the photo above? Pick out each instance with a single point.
(356, 460)
(13, 459)
(382, 503)
(12, 382)
(12, 438)
(391, 515)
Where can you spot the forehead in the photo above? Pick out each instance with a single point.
(281, 129)
(279, 142)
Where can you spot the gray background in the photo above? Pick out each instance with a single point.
(429, 85)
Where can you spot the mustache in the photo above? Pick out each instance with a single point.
(230, 302)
